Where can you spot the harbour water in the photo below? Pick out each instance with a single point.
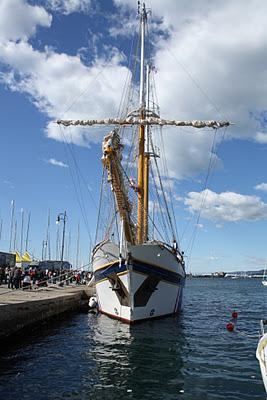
(189, 357)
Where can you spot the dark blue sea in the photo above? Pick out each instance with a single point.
(190, 357)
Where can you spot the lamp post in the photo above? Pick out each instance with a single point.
(21, 231)
(11, 224)
(44, 246)
(62, 217)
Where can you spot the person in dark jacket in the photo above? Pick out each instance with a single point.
(11, 278)
(17, 278)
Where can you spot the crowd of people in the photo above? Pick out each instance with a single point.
(33, 278)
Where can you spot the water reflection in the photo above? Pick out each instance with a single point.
(140, 360)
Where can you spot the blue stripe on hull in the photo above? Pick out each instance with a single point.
(147, 269)
(161, 273)
(115, 268)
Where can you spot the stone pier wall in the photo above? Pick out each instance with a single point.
(21, 310)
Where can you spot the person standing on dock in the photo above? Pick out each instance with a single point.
(7, 270)
(17, 278)
(2, 275)
(11, 278)
(26, 283)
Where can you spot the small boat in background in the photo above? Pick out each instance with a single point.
(261, 352)
(264, 278)
(234, 277)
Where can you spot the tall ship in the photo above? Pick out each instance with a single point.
(138, 266)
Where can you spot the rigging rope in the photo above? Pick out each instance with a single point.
(196, 83)
(162, 221)
(211, 166)
(166, 173)
(72, 152)
(163, 194)
(148, 215)
(84, 91)
(80, 200)
(100, 201)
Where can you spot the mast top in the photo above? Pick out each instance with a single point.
(141, 10)
(143, 19)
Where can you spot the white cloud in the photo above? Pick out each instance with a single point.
(199, 226)
(256, 260)
(69, 6)
(154, 207)
(219, 226)
(19, 20)
(214, 51)
(212, 258)
(261, 137)
(218, 47)
(57, 82)
(188, 153)
(227, 206)
(9, 184)
(178, 198)
(57, 163)
(123, 28)
(261, 186)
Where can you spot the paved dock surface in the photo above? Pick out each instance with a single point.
(12, 296)
(20, 309)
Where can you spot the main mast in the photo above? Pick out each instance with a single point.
(144, 119)
(142, 174)
(146, 161)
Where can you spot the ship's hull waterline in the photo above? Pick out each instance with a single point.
(146, 282)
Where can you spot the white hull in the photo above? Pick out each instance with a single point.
(261, 355)
(264, 283)
(147, 283)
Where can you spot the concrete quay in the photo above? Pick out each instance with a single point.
(19, 309)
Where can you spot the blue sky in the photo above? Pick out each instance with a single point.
(68, 59)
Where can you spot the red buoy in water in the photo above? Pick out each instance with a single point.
(234, 314)
(230, 327)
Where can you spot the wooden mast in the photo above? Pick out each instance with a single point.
(141, 142)
(140, 206)
(146, 198)
(146, 162)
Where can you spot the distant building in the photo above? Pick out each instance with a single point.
(219, 274)
(50, 264)
(7, 259)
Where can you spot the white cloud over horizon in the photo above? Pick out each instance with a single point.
(256, 260)
(226, 206)
(261, 137)
(57, 163)
(261, 186)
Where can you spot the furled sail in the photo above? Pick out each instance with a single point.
(145, 121)
(111, 159)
